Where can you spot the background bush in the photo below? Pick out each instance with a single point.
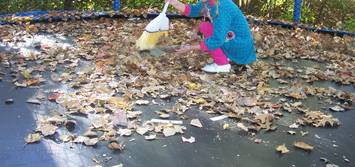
(330, 13)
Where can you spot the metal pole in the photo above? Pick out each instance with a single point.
(116, 5)
(297, 11)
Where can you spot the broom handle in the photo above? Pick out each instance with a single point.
(165, 7)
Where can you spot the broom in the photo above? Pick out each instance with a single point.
(157, 28)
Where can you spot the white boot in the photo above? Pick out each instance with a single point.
(214, 68)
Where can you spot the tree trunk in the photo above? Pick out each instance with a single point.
(68, 4)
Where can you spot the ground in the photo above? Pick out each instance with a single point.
(80, 94)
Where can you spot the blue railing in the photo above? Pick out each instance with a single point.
(36, 17)
(116, 5)
(297, 11)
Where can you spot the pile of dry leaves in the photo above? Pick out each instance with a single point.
(120, 78)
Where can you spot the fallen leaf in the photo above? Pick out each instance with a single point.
(294, 126)
(91, 134)
(346, 159)
(164, 116)
(196, 123)
(32, 82)
(282, 149)
(66, 138)
(225, 126)
(142, 130)
(54, 96)
(258, 141)
(297, 95)
(124, 132)
(21, 85)
(303, 146)
(119, 165)
(115, 146)
(33, 138)
(169, 131)
(98, 123)
(200, 101)
(188, 140)
(91, 142)
(47, 129)
(264, 120)
(164, 96)
(193, 86)
(120, 118)
(133, 114)
(150, 137)
(304, 133)
(118, 102)
(26, 74)
(33, 101)
(249, 101)
(319, 119)
(291, 132)
(218, 118)
(243, 127)
(331, 165)
(142, 102)
(80, 139)
(337, 109)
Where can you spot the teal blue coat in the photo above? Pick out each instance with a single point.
(231, 31)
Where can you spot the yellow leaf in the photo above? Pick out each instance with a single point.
(26, 74)
(262, 88)
(193, 86)
(33, 138)
(200, 101)
(282, 148)
(119, 102)
(226, 126)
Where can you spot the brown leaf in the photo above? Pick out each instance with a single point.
(196, 123)
(54, 96)
(116, 146)
(319, 119)
(249, 101)
(32, 82)
(303, 146)
(243, 127)
(264, 120)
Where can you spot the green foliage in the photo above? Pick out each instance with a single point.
(350, 25)
(318, 12)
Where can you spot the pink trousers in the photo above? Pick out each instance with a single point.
(206, 28)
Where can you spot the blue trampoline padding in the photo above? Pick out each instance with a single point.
(38, 17)
(31, 13)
